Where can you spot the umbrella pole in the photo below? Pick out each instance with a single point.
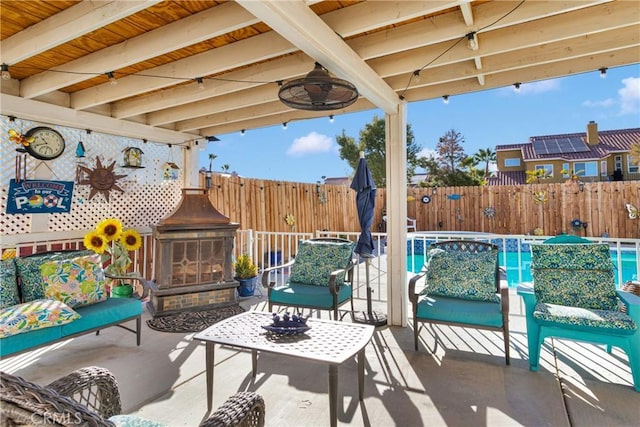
(369, 317)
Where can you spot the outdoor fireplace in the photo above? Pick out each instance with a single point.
(193, 267)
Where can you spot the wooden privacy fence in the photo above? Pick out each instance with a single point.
(263, 205)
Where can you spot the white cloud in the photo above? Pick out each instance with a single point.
(605, 103)
(311, 143)
(428, 153)
(629, 95)
(543, 86)
(628, 98)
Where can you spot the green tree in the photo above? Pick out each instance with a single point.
(486, 156)
(372, 141)
(225, 167)
(449, 149)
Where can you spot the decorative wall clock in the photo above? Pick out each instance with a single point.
(48, 143)
(102, 179)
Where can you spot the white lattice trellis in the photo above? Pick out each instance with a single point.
(147, 197)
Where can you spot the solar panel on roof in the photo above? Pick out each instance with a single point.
(573, 144)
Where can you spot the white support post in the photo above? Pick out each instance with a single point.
(191, 162)
(396, 150)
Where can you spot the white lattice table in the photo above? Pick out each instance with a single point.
(327, 341)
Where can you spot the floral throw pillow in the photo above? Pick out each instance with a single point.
(76, 282)
(316, 260)
(41, 313)
(458, 274)
(8, 284)
(31, 284)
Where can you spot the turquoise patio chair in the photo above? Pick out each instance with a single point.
(574, 297)
(321, 277)
(464, 286)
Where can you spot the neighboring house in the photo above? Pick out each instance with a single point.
(593, 156)
(343, 180)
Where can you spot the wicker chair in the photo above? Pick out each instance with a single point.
(90, 396)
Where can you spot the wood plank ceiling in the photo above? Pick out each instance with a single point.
(59, 54)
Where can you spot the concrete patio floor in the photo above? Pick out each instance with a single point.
(458, 378)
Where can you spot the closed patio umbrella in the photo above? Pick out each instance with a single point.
(366, 201)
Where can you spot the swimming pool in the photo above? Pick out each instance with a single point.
(518, 265)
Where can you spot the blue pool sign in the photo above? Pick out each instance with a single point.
(39, 196)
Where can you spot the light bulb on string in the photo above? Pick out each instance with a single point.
(6, 75)
(603, 72)
(112, 78)
(445, 99)
(331, 118)
(516, 87)
(200, 82)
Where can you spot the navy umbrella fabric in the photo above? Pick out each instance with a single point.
(365, 201)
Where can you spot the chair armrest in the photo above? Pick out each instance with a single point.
(334, 286)
(503, 287)
(93, 387)
(413, 296)
(266, 271)
(27, 403)
(525, 290)
(243, 408)
(632, 302)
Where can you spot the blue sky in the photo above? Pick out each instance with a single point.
(307, 150)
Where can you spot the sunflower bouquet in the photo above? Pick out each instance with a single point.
(114, 243)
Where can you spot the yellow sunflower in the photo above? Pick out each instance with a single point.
(95, 241)
(111, 228)
(130, 239)
(9, 253)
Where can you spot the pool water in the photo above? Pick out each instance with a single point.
(515, 276)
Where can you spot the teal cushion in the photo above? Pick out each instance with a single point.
(460, 274)
(316, 260)
(34, 338)
(9, 294)
(29, 275)
(578, 275)
(583, 319)
(308, 295)
(113, 310)
(481, 313)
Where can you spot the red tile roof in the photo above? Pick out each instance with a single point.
(508, 178)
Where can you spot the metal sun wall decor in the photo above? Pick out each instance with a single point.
(102, 179)
(489, 212)
(539, 197)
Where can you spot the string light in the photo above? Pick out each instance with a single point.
(6, 75)
(416, 75)
(471, 40)
(284, 125)
(200, 82)
(331, 118)
(516, 87)
(112, 78)
(445, 99)
(603, 73)
(242, 132)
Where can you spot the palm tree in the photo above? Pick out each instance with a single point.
(487, 156)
